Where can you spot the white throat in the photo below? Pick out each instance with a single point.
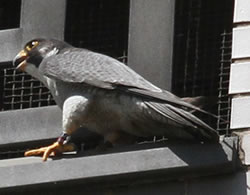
(34, 71)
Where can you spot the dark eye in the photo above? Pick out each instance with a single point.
(31, 45)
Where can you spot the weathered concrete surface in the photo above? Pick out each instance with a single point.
(26, 125)
(244, 147)
(167, 163)
(151, 40)
(43, 19)
(28, 128)
(10, 41)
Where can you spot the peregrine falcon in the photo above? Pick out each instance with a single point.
(106, 96)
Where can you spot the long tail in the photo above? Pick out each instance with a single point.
(190, 123)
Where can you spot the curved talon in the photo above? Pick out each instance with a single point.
(52, 148)
(36, 152)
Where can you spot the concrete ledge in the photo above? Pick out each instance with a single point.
(244, 147)
(29, 128)
(27, 125)
(169, 162)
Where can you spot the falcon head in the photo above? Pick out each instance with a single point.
(35, 51)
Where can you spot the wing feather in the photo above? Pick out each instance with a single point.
(192, 124)
(82, 66)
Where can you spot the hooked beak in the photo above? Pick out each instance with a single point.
(20, 60)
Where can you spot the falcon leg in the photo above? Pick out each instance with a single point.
(71, 121)
(58, 147)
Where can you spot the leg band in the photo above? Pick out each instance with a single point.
(63, 139)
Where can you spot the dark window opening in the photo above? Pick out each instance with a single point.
(98, 25)
(10, 14)
(202, 54)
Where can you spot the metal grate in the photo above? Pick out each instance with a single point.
(224, 101)
(10, 14)
(197, 52)
(20, 90)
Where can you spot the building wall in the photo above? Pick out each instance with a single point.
(239, 87)
(221, 183)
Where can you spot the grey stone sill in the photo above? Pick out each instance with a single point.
(165, 162)
(29, 125)
(143, 163)
(29, 128)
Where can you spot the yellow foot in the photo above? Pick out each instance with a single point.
(52, 150)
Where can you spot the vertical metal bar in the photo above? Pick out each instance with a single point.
(43, 19)
(224, 103)
(151, 32)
